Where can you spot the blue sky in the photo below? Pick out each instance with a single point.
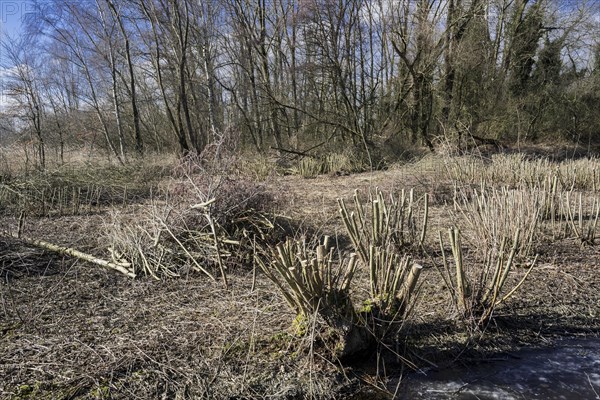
(11, 12)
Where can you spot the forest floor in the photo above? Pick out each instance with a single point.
(70, 329)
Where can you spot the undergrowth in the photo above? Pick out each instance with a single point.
(78, 189)
(220, 222)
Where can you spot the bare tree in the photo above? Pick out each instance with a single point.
(22, 86)
(117, 13)
(305, 75)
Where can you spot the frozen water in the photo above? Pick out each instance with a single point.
(569, 370)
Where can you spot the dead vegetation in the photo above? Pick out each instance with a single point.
(205, 318)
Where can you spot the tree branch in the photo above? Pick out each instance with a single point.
(70, 252)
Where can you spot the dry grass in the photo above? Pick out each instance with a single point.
(69, 330)
(102, 336)
(519, 170)
(75, 189)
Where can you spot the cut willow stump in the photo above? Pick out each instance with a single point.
(71, 252)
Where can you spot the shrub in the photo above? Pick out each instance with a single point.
(318, 282)
(501, 226)
(198, 224)
(310, 167)
(491, 215)
(380, 233)
(477, 288)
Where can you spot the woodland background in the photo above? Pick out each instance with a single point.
(371, 78)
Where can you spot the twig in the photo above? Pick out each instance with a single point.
(592, 386)
(205, 208)
(186, 250)
(253, 264)
(218, 248)
(21, 222)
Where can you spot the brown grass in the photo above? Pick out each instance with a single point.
(71, 330)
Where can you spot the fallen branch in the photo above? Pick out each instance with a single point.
(70, 252)
(297, 153)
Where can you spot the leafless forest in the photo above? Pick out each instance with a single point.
(127, 78)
